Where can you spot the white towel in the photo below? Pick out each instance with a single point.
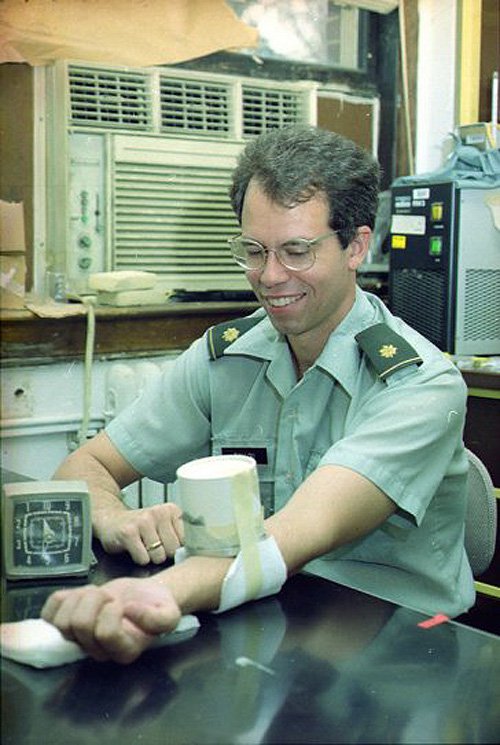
(38, 643)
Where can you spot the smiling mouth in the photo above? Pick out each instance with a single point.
(281, 302)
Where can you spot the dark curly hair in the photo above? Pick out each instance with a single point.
(293, 164)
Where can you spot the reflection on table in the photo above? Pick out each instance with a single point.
(318, 663)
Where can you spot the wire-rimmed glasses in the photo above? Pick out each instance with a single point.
(297, 254)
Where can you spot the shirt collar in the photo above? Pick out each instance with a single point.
(340, 356)
(261, 341)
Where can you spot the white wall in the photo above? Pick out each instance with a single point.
(42, 411)
(436, 82)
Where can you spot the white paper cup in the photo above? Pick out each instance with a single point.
(220, 500)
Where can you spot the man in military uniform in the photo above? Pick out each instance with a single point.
(354, 419)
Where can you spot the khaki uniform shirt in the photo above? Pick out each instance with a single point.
(403, 433)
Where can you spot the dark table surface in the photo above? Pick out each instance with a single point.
(318, 663)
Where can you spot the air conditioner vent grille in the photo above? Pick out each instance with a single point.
(482, 304)
(108, 98)
(266, 108)
(419, 297)
(195, 107)
(174, 221)
(154, 101)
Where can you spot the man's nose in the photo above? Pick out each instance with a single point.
(273, 271)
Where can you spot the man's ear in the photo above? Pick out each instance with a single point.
(358, 247)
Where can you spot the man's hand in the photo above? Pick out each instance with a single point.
(116, 621)
(149, 535)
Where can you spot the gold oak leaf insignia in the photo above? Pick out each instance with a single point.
(230, 334)
(387, 350)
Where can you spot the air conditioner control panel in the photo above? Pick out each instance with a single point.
(87, 215)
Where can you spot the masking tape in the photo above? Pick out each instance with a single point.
(211, 540)
(244, 487)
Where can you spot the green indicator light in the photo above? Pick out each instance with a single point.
(436, 245)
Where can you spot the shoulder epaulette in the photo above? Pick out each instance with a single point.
(220, 337)
(386, 350)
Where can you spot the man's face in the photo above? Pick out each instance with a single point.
(305, 305)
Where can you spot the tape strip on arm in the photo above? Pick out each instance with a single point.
(238, 586)
(258, 569)
(254, 573)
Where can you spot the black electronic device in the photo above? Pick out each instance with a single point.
(444, 269)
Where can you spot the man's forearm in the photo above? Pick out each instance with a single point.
(149, 534)
(104, 490)
(101, 466)
(196, 582)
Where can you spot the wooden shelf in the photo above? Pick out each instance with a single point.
(30, 339)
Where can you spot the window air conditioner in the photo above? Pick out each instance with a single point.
(139, 165)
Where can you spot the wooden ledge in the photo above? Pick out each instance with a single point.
(30, 339)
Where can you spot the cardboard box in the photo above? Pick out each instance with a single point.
(12, 280)
(12, 237)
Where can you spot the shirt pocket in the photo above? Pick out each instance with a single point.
(262, 450)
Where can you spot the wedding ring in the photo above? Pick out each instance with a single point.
(154, 546)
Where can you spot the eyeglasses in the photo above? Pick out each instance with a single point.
(297, 254)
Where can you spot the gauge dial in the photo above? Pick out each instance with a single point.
(47, 529)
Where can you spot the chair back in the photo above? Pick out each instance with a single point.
(481, 516)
